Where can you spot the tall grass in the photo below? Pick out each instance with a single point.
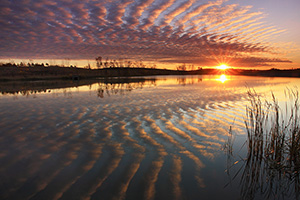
(272, 164)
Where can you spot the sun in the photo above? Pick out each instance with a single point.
(222, 67)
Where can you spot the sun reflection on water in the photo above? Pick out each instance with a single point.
(223, 78)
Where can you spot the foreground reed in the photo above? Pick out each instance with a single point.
(272, 164)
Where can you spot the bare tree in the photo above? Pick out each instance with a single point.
(99, 62)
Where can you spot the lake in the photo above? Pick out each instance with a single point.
(139, 138)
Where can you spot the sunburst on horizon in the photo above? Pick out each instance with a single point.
(222, 67)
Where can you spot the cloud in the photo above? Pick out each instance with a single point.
(259, 61)
(157, 30)
(135, 11)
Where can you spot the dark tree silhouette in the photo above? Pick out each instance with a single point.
(99, 62)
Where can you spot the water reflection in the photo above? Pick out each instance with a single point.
(103, 87)
(162, 139)
(223, 78)
(108, 86)
(122, 88)
(188, 80)
(269, 181)
(112, 86)
(271, 168)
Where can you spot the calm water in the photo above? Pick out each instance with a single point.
(146, 138)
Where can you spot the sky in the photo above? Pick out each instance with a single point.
(253, 34)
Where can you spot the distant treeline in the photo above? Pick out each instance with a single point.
(24, 64)
(31, 71)
(268, 73)
(120, 63)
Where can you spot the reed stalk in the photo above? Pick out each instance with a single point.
(272, 164)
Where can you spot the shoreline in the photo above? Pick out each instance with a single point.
(17, 73)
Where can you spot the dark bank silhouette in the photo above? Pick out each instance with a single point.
(114, 68)
(22, 71)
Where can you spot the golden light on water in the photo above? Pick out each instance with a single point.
(223, 78)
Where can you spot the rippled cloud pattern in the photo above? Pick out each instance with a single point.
(169, 31)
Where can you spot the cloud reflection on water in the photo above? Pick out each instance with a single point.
(121, 145)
